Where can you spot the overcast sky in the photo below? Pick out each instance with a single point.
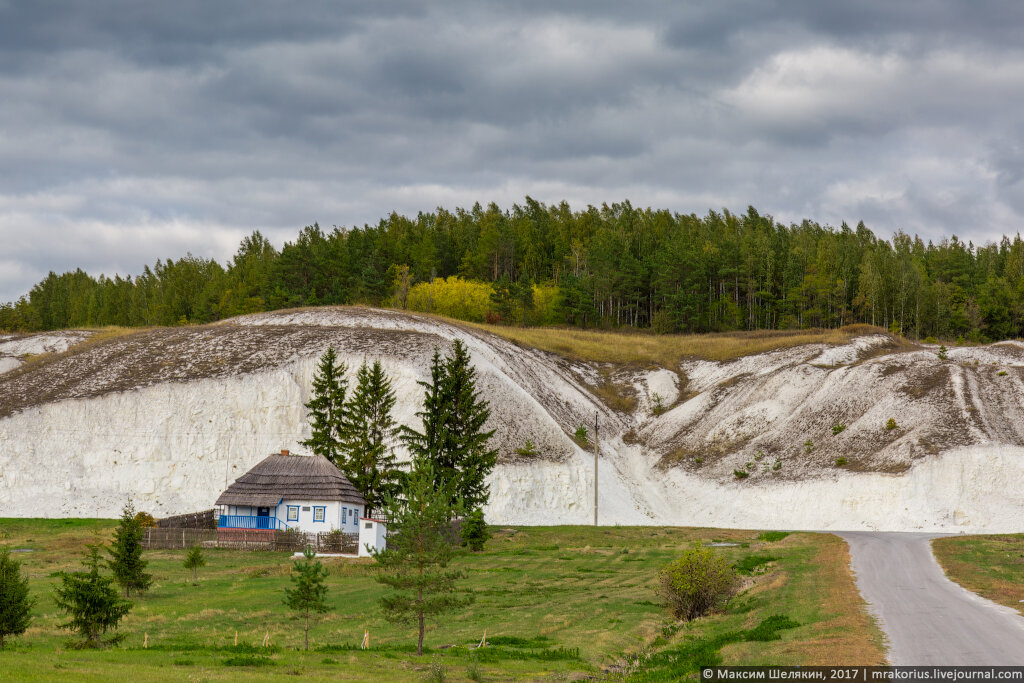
(131, 132)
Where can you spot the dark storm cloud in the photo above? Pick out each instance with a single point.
(133, 131)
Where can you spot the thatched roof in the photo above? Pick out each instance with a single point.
(293, 477)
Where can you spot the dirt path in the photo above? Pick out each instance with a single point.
(927, 618)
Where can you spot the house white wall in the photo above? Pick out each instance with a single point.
(337, 515)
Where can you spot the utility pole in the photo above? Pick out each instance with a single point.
(595, 467)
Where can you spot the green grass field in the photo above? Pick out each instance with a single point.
(558, 603)
(992, 566)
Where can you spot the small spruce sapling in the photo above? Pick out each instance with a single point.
(194, 560)
(942, 352)
(891, 425)
(126, 561)
(308, 592)
(15, 603)
(90, 600)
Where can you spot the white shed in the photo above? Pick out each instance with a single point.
(372, 534)
(283, 491)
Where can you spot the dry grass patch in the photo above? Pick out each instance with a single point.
(646, 348)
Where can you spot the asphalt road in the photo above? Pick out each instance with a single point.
(929, 619)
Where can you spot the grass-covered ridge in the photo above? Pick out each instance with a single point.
(555, 602)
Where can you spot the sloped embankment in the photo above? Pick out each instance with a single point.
(169, 415)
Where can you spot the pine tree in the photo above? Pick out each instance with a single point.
(453, 436)
(91, 600)
(126, 561)
(309, 592)
(15, 604)
(194, 560)
(420, 545)
(369, 461)
(327, 408)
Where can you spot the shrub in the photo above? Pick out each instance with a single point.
(698, 583)
(942, 352)
(740, 474)
(1001, 373)
(144, 519)
(581, 436)
(891, 425)
(438, 673)
(837, 428)
(777, 466)
(930, 340)
(808, 446)
(657, 404)
(840, 461)
(528, 450)
(474, 531)
(772, 536)
(751, 564)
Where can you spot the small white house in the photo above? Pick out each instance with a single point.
(283, 491)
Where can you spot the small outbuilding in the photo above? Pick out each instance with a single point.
(283, 491)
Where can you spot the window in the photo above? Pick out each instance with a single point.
(305, 508)
(293, 513)
(344, 515)
(319, 513)
(355, 516)
(369, 525)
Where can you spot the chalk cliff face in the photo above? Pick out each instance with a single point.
(168, 417)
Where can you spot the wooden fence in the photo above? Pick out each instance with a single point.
(207, 519)
(249, 539)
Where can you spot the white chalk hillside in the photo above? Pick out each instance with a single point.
(170, 416)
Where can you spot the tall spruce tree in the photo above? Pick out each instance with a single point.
(91, 600)
(466, 439)
(453, 437)
(369, 461)
(327, 408)
(15, 603)
(421, 543)
(126, 561)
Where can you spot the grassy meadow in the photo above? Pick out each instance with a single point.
(992, 565)
(557, 603)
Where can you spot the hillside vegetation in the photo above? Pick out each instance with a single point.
(611, 266)
(555, 602)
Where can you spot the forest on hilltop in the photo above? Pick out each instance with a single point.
(612, 266)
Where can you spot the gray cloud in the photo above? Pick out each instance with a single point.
(134, 132)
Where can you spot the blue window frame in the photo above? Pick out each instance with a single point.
(355, 516)
(319, 513)
(344, 515)
(293, 513)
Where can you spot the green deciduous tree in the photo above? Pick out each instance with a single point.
(15, 603)
(90, 600)
(368, 458)
(194, 560)
(126, 561)
(308, 594)
(327, 408)
(420, 545)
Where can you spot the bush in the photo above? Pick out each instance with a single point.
(740, 474)
(698, 583)
(772, 536)
(808, 446)
(474, 531)
(1001, 373)
(930, 340)
(528, 450)
(891, 425)
(777, 466)
(581, 436)
(837, 428)
(942, 352)
(144, 519)
(840, 461)
(657, 404)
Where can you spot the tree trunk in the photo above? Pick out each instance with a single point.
(307, 628)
